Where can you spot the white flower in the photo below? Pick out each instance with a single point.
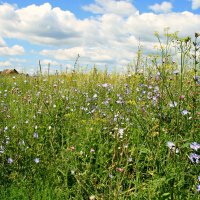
(105, 85)
(92, 197)
(173, 104)
(2, 148)
(121, 132)
(95, 96)
(110, 175)
(130, 159)
(171, 145)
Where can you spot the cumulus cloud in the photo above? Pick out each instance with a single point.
(111, 37)
(39, 24)
(195, 4)
(164, 7)
(124, 8)
(11, 51)
(5, 64)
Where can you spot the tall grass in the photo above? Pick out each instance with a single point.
(104, 136)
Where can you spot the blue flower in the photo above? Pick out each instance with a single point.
(198, 188)
(194, 158)
(35, 135)
(195, 146)
(10, 160)
(37, 160)
(184, 112)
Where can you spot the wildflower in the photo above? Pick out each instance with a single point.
(10, 160)
(184, 112)
(121, 132)
(92, 150)
(195, 146)
(37, 160)
(177, 150)
(72, 172)
(2, 149)
(95, 96)
(130, 159)
(172, 147)
(35, 135)
(173, 104)
(119, 169)
(92, 197)
(194, 158)
(105, 85)
(176, 72)
(199, 178)
(198, 188)
(182, 97)
(110, 175)
(72, 148)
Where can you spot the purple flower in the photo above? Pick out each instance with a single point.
(195, 146)
(105, 85)
(10, 160)
(198, 188)
(37, 160)
(194, 158)
(184, 112)
(35, 135)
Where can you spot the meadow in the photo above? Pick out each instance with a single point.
(100, 135)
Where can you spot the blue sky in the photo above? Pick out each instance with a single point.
(102, 32)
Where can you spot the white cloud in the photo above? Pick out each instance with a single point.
(51, 62)
(5, 64)
(164, 7)
(124, 8)
(17, 60)
(2, 42)
(110, 38)
(11, 51)
(195, 4)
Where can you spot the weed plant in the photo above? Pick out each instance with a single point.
(105, 136)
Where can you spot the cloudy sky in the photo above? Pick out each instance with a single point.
(102, 32)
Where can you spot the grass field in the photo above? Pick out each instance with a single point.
(105, 136)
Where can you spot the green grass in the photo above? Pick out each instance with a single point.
(100, 134)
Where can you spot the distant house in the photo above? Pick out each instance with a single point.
(9, 71)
